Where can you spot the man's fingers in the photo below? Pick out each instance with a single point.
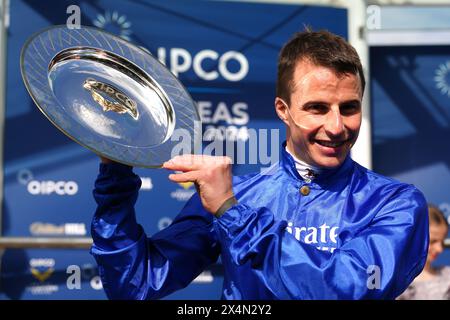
(185, 162)
(189, 162)
(190, 176)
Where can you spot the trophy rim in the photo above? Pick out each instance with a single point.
(144, 53)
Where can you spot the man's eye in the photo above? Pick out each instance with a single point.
(317, 108)
(349, 109)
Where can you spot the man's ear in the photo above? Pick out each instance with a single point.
(281, 109)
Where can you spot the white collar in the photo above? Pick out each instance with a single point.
(306, 171)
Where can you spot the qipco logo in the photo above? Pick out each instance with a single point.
(62, 188)
(231, 65)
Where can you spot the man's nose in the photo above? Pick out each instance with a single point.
(334, 125)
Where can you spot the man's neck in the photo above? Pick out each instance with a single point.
(305, 170)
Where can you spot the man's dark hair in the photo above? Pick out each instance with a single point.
(322, 48)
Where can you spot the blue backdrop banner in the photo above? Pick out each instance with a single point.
(411, 119)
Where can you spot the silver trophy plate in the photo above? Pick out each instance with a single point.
(107, 94)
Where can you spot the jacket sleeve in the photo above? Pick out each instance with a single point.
(133, 266)
(378, 262)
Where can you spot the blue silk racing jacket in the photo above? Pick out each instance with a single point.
(355, 235)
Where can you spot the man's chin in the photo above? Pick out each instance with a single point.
(330, 162)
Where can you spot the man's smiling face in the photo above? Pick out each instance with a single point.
(324, 114)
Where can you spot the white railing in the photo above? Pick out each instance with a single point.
(43, 242)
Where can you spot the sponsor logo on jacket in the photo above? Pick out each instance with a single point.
(323, 237)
